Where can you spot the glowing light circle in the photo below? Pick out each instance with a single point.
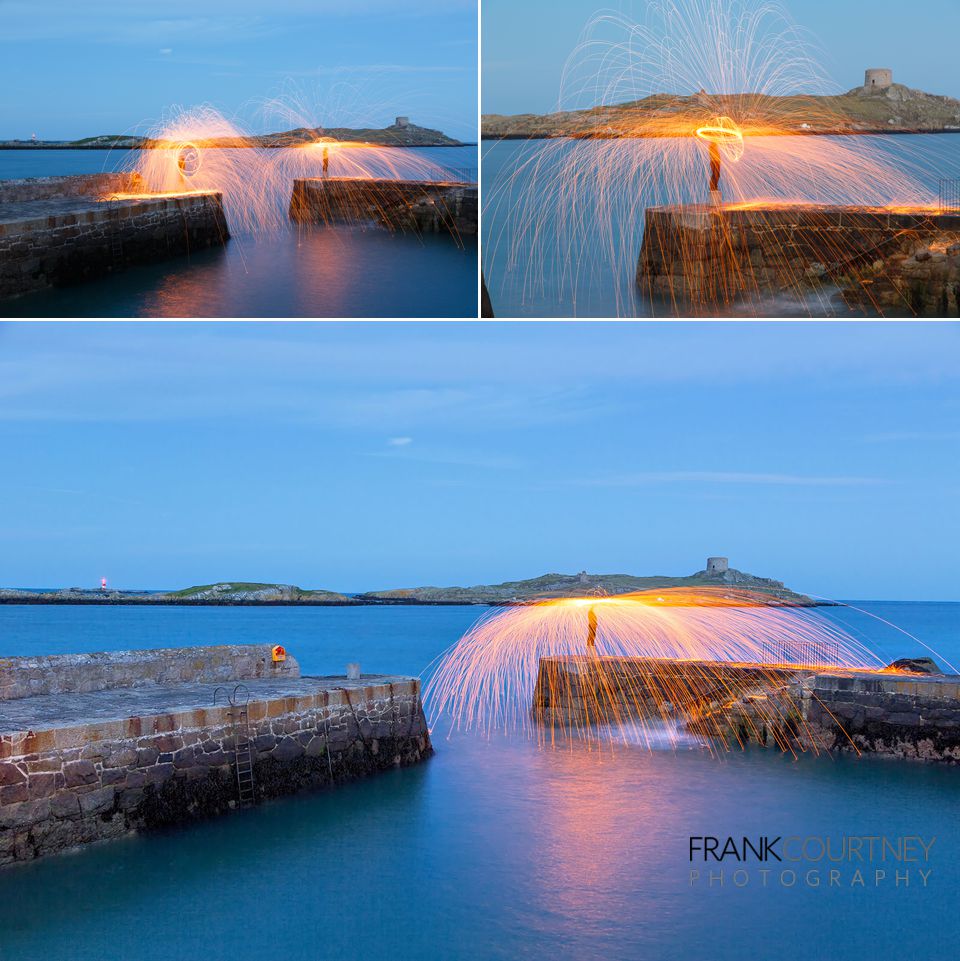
(189, 160)
(726, 134)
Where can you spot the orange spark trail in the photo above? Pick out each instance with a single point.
(696, 74)
(200, 150)
(675, 656)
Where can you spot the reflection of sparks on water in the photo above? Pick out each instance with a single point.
(584, 811)
(734, 643)
(573, 203)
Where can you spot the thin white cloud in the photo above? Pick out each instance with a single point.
(475, 460)
(400, 441)
(133, 29)
(645, 356)
(508, 376)
(894, 437)
(118, 21)
(375, 68)
(643, 478)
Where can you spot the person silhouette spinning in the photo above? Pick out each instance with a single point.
(714, 172)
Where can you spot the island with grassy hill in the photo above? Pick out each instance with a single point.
(894, 108)
(401, 134)
(717, 574)
(222, 593)
(548, 586)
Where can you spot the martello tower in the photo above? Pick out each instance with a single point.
(878, 79)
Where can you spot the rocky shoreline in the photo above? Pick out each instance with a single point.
(862, 111)
(838, 132)
(350, 602)
(717, 575)
(396, 135)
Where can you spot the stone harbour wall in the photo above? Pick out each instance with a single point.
(572, 692)
(915, 718)
(90, 186)
(700, 257)
(410, 205)
(81, 673)
(900, 715)
(43, 246)
(66, 786)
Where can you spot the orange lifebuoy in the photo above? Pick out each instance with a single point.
(279, 653)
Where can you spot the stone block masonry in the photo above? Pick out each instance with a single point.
(698, 258)
(90, 186)
(907, 717)
(411, 205)
(62, 230)
(911, 716)
(70, 674)
(85, 765)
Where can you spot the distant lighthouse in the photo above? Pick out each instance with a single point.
(103, 583)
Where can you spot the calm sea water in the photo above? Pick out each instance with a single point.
(306, 271)
(492, 849)
(568, 266)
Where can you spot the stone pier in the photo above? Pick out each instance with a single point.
(406, 205)
(915, 717)
(56, 231)
(892, 713)
(97, 746)
(696, 258)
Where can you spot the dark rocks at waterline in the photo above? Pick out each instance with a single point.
(920, 277)
(916, 665)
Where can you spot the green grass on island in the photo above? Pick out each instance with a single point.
(544, 587)
(254, 591)
(583, 584)
(396, 135)
(896, 109)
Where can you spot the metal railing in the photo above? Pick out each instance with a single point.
(825, 653)
(460, 175)
(950, 196)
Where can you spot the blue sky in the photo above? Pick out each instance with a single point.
(525, 45)
(380, 455)
(69, 69)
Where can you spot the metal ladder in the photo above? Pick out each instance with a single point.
(242, 744)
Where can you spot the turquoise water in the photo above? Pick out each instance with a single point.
(569, 266)
(310, 272)
(493, 849)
